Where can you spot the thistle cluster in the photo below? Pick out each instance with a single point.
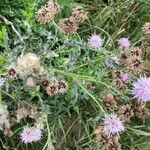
(68, 25)
(47, 12)
(54, 87)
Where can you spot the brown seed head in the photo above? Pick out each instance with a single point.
(12, 73)
(109, 101)
(52, 89)
(146, 28)
(79, 15)
(68, 25)
(125, 112)
(62, 86)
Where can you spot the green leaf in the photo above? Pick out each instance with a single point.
(2, 59)
(139, 132)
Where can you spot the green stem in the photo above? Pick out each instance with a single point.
(0, 95)
(87, 78)
(47, 124)
(95, 100)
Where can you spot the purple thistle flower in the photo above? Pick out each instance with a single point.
(31, 134)
(95, 41)
(124, 76)
(124, 42)
(113, 124)
(141, 89)
(2, 80)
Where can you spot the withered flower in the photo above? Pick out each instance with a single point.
(22, 113)
(62, 86)
(45, 15)
(140, 109)
(125, 112)
(145, 46)
(146, 28)
(134, 64)
(109, 101)
(68, 25)
(12, 73)
(136, 52)
(45, 82)
(79, 15)
(115, 145)
(52, 89)
(47, 12)
(102, 139)
(120, 84)
(122, 57)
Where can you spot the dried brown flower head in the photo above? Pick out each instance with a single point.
(26, 111)
(145, 46)
(136, 52)
(12, 73)
(62, 86)
(142, 112)
(134, 64)
(109, 101)
(68, 25)
(54, 6)
(45, 82)
(102, 139)
(122, 57)
(116, 73)
(146, 69)
(146, 28)
(79, 15)
(140, 109)
(47, 12)
(45, 15)
(52, 89)
(120, 84)
(26, 64)
(22, 113)
(125, 112)
(114, 145)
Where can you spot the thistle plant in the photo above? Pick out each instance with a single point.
(74, 75)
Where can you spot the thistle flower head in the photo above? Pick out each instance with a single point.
(26, 64)
(62, 86)
(141, 89)
(31, 134)
(47, 12)
(44, 15)
(2, 80)
(68, 25)
(124, 42)
(52, 89)
(124, 76)
(113, 124)
(95, 41)
(146, 28)
(79, 14)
